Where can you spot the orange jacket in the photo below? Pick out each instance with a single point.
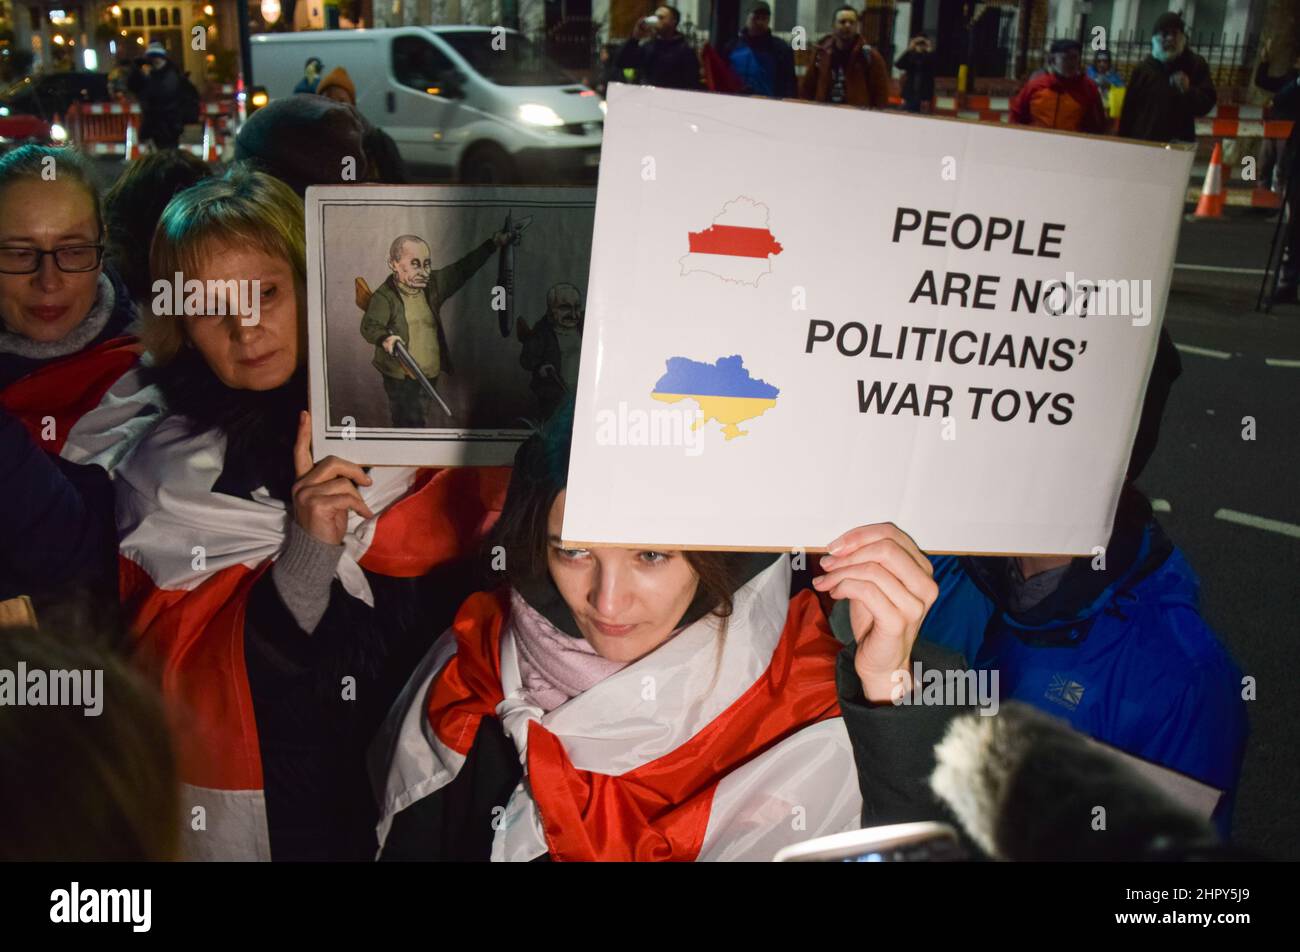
(1050, 101)
(867, 82)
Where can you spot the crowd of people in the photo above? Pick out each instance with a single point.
(1164, 95)
(345, 667)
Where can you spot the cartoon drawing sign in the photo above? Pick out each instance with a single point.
(769, 356)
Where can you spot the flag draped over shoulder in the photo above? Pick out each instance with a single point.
(698, 751)
(90, 407)
(190, 556)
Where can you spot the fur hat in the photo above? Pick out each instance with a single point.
(303, 140)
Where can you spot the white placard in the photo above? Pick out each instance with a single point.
(811, 259)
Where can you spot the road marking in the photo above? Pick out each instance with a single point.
(1218, 269)
(1161, 505)
(1258, 522)
(1281, 362)
(1203, 351)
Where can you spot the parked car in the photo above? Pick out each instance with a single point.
(32, 108)
(478, 104)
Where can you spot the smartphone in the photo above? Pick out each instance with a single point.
(898, 843)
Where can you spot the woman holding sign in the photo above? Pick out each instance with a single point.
(617, 704)
(282, 600)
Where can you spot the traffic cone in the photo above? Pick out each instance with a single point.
(210, 150)
(1211, 203)
(132, 149)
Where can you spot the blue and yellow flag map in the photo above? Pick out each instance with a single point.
(724, 391)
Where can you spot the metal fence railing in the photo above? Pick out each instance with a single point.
(575, 45)
(1230, 58)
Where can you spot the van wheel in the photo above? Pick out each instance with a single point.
(487, 164)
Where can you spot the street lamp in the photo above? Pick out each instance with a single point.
(270, 11)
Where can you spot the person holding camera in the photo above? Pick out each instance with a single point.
(658, 55)
(917, 64)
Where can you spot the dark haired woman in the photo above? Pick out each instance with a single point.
(133, 206)
(616, 704)
(68, 409)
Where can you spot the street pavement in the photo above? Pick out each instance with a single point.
(1232, 503)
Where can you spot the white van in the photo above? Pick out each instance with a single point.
(475, 103)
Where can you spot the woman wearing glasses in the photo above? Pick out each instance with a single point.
(65, 362)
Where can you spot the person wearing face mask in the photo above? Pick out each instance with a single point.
(610, 703)
(69, 392)
(1169, 90)
(280, 600)
(1061, 96)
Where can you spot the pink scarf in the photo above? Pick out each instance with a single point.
(553, 666)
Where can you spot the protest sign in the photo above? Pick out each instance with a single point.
(444, 321)
(804, 318)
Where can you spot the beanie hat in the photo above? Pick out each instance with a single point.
(156, 49)
(302, 140)
(339, 77)
(1168, 22)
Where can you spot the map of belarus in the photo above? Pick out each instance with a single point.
(724, 391)
(737, 247)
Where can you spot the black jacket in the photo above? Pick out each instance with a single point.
(762, 51)
(312, 736)
(660, 62)
(1154, 109)
(918, 83)
(159, 94)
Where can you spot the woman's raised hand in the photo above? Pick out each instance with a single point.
(325, 492)
(890, 586)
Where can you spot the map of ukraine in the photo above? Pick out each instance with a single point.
(725, 391)
(737, 247)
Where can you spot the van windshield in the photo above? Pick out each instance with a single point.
(521, 63)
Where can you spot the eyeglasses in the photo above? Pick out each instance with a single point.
(70, 259)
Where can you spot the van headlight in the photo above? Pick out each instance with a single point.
(4, 110)
(58, 133)
(535, 114)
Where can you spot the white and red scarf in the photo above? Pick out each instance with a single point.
(89, 407)
(699, 751)
(189, 557)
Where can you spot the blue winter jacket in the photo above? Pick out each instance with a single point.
(1134, 667)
